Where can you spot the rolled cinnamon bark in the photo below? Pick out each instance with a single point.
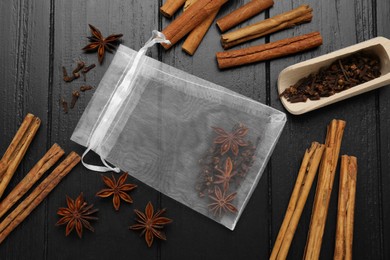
(324, 188)
(23, 210)
(346, 208)
(194, 16)
(268, 51)
(170, 7)
(17, 149)
(188, 3)
(195, 37)
(243, 13)
(306, 175)
(279, 22)
(47, 161)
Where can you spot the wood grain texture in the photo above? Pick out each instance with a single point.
(34, 48)
(24, 83)
(383, 119)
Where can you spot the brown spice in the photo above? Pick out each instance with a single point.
(230, 140)
(150, 223)
(24, 209)
(190, 19)
(301, 14)
(75, 96)
(101, 44)
(268, 51)
(170, 7)
(64, 105)
(85, 88)
(76, 215)
(80, 66)
(222, 202)
(223, 168)
(226, 175)
(65, 75)
(341, 75)
(117, 189)
(47, 161)
(17, 149)
(86, 69)
(243, 13)
(195, 37)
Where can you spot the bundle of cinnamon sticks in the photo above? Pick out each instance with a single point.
(325, 158)
(198, 16)
(195, 21)
(8, 166)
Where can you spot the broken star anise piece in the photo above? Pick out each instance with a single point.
(76, 215)
(101, 44)
(222, 202)
(117, 189)
(226, 175)
(150, 223)
(231, 140)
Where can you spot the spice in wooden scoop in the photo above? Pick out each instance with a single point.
(341, 75)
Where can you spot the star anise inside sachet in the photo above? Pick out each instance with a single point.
(225, 176)
(222, 202)
(231, 140)
(150, 223)
(76, 215)
(117, 189)
(101, 44)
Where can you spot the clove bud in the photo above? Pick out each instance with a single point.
(85, 88)
(64, 105)
(80, 66)
(75, 96)
(66, 76)
(86, 69)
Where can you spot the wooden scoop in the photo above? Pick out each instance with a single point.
(291, 75)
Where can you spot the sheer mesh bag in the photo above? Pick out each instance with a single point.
(194, 141)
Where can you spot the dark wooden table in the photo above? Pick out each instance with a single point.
(38, 37)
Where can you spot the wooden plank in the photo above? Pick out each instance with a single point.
(382, 15)
(341, 24)
(193, 236)
(25, 74)
(24, 57)
(136, 20)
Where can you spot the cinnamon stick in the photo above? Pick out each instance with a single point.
(346, 208)
(279, 22)
(195, 37)
(306, 175)
(186, 22)
(268, 51)
(187, 4)
(47, 161)
(17, 149)
(324, 189)
(37, 196)
(243, 13)
(170, 7)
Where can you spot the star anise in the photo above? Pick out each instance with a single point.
(230, 140)
(117, 189)
(225, 175)
(150, 223)
(222, 202)
(101, 44)
(76, 215)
